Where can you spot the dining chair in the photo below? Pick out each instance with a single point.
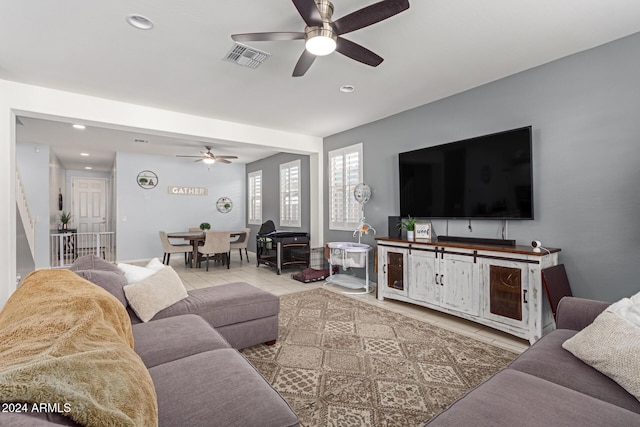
(216, 242)
(171, 248)
(197, 230)
(241, 243)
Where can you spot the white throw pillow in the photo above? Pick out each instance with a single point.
(136, 273)
(155, 264)
(611, 344)
(155, 293)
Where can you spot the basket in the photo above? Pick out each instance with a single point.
(348, 255)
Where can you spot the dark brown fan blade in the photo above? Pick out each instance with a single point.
(260, 37)
(357, 52)
(199, 160)
(226, 157)
(219, 160)
(370, 15)
(305, 61)
(187, 156)
(309, 12)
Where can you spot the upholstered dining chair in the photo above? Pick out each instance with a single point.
(216, 242)
(170, 248)
(241, 243)
(197, 230)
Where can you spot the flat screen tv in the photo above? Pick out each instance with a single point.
(487, 177)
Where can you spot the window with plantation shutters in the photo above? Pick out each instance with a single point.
(290, 194)
(345, 172)
(254, 192)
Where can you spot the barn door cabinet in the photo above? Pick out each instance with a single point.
(497, 286)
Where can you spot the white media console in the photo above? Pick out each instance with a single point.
(497, 286)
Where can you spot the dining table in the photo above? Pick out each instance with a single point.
(195, 237)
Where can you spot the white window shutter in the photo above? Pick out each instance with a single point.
(345, 172)
(255, 197)
(290, 215)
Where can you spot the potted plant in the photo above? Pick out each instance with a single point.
(205, 226)
(410, 225)
(65, 218)
(143, 181)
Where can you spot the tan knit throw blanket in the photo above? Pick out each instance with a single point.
(67, 342)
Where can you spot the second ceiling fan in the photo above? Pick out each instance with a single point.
(209, 158)
(322, 35)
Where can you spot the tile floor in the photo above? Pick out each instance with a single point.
(266, 278)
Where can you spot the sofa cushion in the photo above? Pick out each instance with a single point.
(513, 398)
(611, 345)
(547, 359)
(226, 304)
(173, 338)
(229, 391)
(110, 281)
(137, 273)
(93, 262)
(161, 290)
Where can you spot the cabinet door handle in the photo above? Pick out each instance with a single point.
(384, 268)
(437, 279)
(442, 280)
(524, 296)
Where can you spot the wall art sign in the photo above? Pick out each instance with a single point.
(188, 191)
(423, 230)
(224, 204)
(147, 180)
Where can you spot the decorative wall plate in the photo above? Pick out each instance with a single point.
(362, 193)
(147, 180)
(224, 204)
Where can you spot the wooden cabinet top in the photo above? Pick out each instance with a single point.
(518, 249)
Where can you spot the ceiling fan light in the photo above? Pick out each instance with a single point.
(209, 161)
(321, 45)
(320, 40)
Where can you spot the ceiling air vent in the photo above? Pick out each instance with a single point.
(246, 56)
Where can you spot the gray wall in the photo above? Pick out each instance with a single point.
(271, 191)
(584, 110)
(148, 211)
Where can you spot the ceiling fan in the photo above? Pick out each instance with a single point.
(322, 35)
(209, 158)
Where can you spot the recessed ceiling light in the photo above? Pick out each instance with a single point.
(347, 88)
(140, 22)
(88, 167)
(79, 126)
(84, 154)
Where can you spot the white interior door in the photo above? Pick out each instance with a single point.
(89, 204)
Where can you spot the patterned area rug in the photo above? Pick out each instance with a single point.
(343, 362)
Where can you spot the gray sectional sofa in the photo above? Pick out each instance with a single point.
(190, 352)
(547, 386)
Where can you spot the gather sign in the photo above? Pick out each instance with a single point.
(188, 191)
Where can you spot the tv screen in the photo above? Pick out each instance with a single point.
(489, 176)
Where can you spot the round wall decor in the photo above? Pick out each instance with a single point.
(362, 193)
(147, 179)
(224, 204)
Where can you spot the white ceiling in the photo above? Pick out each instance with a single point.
(433, 50)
